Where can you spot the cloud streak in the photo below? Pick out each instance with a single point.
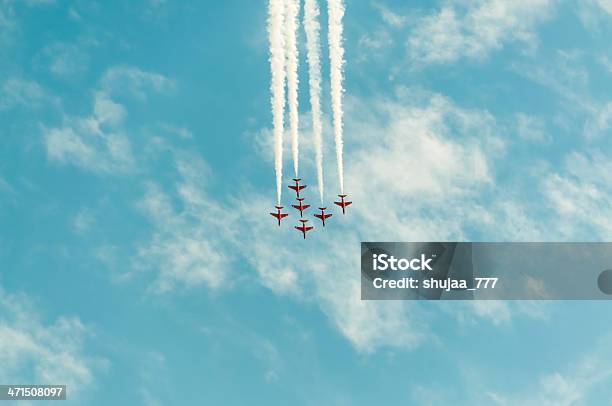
(313, 28)
(335, 11)
(291, 50)
(276, 20)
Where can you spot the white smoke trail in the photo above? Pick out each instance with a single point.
(276, 21)
(291, 49)
(335, 10)
(312, 27)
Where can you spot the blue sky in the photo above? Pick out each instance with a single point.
(138, 263)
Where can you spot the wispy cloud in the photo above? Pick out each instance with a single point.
(8, 24)
(134, 82)
(83, 221)
(567, 74)
(98, 142)
(154, 379)
(83, 143)
(532, 128)
(472, 29)
(16, 92)
(581, 196)
(261, 348)
(389, 16)
(64, 59)
(575, 385)
(184, 250)
(594, 14)
(584, 379)
(33, 351)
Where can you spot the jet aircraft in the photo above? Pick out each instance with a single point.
(279, 216)
(342, 203)
(323, 216)
(304, 228)
(297, 187)
(301, 207)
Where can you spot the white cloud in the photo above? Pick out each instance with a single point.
(184, 250)
(606, 5)
(17, 92)
(10, 30)
(374, 41)
(155, 11)
(581, 382)
(5, 187)
(8, 24)
(594, 14)
(585, 380)
(154, 379)
(64, 59)
(98, 142)
(581, 196)
(33, 351)
(107, 111)
(83, 221)
(131, 81)
(600, 122)
(532, 128)
(422, 149)
(81, 142)
(568, 76)
(175, 131)
(496, 311)
(390, 17)
(472, 29)
(429, 164)
(267, 353)
(261, 348)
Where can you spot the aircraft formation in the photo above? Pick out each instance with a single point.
(301, 207)
(284, 57)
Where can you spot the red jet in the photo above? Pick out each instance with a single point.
(301, 207)
(297, 186)
(279, 216)
(342, 203)
(323, 216)
(304, 228)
